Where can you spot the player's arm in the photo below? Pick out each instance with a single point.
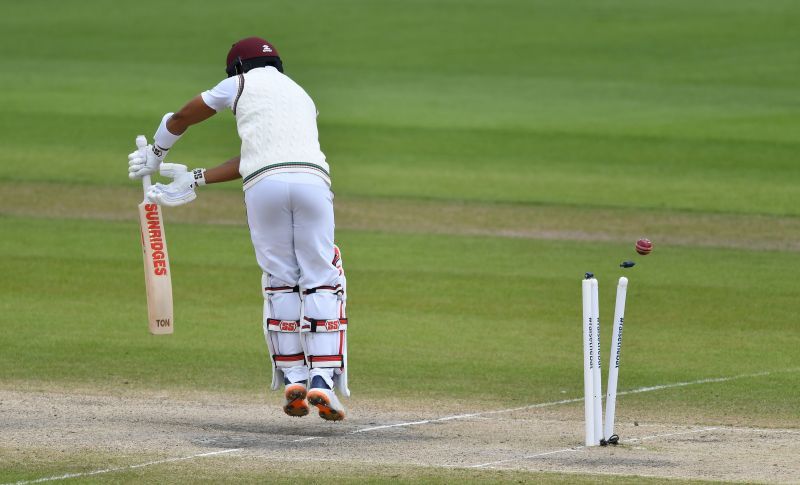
(173, 125)
(193, 112)
(169, 131)
(223, 172)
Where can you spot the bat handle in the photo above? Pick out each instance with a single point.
(141, 145)
(146, 184)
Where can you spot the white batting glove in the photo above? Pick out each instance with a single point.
(139, 166)
(181, 190)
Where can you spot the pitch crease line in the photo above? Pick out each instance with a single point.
(129, 467)
(568, 401)
(581, 448)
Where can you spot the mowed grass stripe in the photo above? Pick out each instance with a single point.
(217, 206)
(517, 166)
(625, 104)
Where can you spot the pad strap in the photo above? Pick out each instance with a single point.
(275, 325)
(336, 290)
(293, 360)
(271, 290)
(320, 326)
(326, 361)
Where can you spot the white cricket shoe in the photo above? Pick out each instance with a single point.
(328, 404)
(295, 403)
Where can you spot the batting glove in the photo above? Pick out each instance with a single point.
(140, 165)
(181, 190)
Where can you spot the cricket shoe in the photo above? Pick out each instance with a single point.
(295, 404)
(325, 400)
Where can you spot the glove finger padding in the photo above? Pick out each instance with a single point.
(135, 165)
(139, 171)
(173, 170)
(141, 164)
(170, 195)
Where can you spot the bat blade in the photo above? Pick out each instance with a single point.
(157, 273)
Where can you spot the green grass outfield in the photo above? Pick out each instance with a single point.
(649, 110)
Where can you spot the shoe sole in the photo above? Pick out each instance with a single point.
(320, 400)
(296, 405)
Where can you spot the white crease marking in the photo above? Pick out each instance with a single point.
(736, 429)
(129, 467)
(665, 435)
(307, 438)
(568, 401)
(581, 448)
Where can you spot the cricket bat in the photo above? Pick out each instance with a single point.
(157, 278)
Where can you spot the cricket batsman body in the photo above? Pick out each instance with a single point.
(286, 182)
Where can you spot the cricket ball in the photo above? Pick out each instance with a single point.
(644, 246)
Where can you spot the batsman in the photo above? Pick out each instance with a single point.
(286, 182)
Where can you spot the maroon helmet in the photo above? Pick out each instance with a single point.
(250, 53)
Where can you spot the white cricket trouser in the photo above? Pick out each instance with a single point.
(291, 224)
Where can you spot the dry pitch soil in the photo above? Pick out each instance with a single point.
(397, 434)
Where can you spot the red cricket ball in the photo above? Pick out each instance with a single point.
(644, 246)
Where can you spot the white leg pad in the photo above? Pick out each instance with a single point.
(341, 381)
(324, 330)
(341, 377)
(282, 331)
(322, 334)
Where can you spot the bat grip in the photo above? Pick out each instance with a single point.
(141, 145)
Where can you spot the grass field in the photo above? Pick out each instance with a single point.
(484, 156)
